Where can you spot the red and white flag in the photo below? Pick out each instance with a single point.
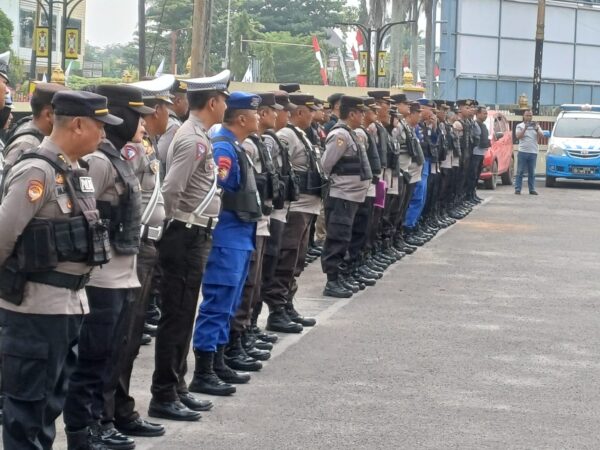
(320, 59)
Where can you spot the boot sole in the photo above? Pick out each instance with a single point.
(334, 295)
(284, 330)
(161, 415)
(218, 393)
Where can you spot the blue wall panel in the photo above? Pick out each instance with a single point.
(564, 94)
(583, 94)
(486, 92)
(466, 88)
(507, 94)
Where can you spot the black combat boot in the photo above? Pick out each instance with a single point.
(205, 379)
(249, 340)
(278, 320)
(83, 440)
(110, 437)
(237, 358)
(226, 373)
(296, 317)
(334, 288)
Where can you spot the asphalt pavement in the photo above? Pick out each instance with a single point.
(487, 337)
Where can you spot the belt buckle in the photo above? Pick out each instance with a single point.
(83, 280)
(154, 233)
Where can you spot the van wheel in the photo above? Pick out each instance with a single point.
(508, 176)
(491, 182)
(550, 181)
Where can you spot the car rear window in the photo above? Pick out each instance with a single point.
(577, 127)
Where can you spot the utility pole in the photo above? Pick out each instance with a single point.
(200, 37)
(33, 64)
(142, 38)
(174, 52)
(539, 53)
(226, 62)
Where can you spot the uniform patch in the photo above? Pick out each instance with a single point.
(35, 190)
(155, 166)
(129, 152)
(201, 150)
(60, 179)
(224, 164)
(148, 147)
(340, 142)
(86, 184)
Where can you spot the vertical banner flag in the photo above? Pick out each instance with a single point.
(317, 50)
(361, 78)
(41, 42)
(71, 43)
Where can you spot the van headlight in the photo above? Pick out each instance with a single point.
(554, 149)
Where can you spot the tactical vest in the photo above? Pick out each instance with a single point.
(354, 164)
(484, 139)
(428, 145)
(245, 202)
(314, 180)
(373, 154)
(268, 183)
(442, 142)
(383, 138)
(465, 139)
(287, 175)
(453, 140)
(125, 217)
(44, 243)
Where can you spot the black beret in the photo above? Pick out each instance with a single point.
(124, 96)
(83, 104)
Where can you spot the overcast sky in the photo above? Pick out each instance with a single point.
(114, 21)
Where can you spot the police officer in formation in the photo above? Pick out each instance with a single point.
(157, 204)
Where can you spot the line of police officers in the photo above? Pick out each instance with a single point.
(118, 197)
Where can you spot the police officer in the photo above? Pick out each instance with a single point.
(278, 319)
(111, 289)
(345, 162)
(48, 193)
(272, 193)
(446, 158)
(31, 130)
(191, 207)
(119, 404)
(463, 128)
(481, 143)
(178, 112)
(334, 116)
(233, 244)
(279, 292)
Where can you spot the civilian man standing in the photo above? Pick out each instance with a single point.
(527, 133)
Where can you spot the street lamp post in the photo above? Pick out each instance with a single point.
(367, 35)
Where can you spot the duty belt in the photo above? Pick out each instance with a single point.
(60, 279)
(200, 221)
(149, 233)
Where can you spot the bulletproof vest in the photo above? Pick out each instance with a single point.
(287, 175)
(453, 140)
(429, 143)
(245, 202)
(81, 238)
(354, 164)
(267, 180)
(314, 179)
(373, 154)
(17, 131)
(383, 137)
(125, 217)
(465, 139)
(442, 142)
(484, 139)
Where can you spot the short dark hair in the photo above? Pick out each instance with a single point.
(37, 105)
(481, 108)
(231, 115)
(345, 112)
(527, 111)
(199, 99)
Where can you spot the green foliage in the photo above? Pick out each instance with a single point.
(294, 64)
(116, 58)
(77, 82)
(16, 71)
(6, 31)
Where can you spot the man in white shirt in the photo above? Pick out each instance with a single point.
(528, 132)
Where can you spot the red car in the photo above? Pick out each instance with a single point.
(498, 162)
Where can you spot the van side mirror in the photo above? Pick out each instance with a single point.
(498, 135)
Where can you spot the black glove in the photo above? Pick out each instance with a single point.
(375, 179)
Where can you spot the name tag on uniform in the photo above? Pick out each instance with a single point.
(86, 184)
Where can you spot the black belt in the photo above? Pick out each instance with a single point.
(177, 224)
(60, 279)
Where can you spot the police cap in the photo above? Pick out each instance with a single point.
(464, 102)
(243, 100)
(179, 87)
(124, 96)
(283, 98)
(326, 105)
(289, 87)
(44, 92)
(268, 99)
(426, 102)
(156, 89)
(4, 60)
(399, 98)
(303, 100)
(83, 104)
(380, 95)
(415, 107)
(219, 83)
(350, 102)
(371, 102)
(444, 104)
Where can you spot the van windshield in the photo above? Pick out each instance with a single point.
(577, 127)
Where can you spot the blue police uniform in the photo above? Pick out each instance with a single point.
(233, 244)
(417, 201)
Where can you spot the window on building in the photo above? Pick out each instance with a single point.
(26, 26)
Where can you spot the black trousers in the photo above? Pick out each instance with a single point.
(475, 168)
(99, 344)
(183, 253)
(272, 250)
(339, 219)
(251, 292)
(433, 183)
(361, 230)
(119, 406)
(375, 229)
(289, 263)
(446, 187)
(39, 355)
(392, 214)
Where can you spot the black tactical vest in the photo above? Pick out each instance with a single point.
(484, 139)
(373, 154)
(287, 175)
(442, 142)
(267, 181)
(125, 217)
(453, 140)
(313, 181)
(354, 164)
(245, 202)
(465, 139)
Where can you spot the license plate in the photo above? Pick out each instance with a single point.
(583, 170)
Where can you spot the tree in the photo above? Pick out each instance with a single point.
(294, 64)
(242, 26)
(299, 16)
(6, 31)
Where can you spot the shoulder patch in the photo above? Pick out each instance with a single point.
(224, 164)
(200, 150)
(35, 190)
(340, 142)
(129, 152)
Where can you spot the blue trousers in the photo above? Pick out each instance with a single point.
(525, 162)
(222, 287)
(417, 201)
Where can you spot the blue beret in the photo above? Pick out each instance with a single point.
(243, 100)
(426, 102)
